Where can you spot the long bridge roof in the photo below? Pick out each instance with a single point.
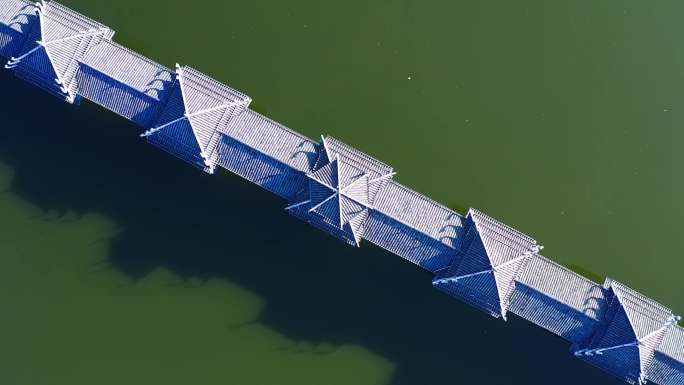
(348, 193)
(563, 285)
(421, 213)
(272, 138)
(129, 67)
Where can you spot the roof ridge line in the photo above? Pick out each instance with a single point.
(639, 294)
(492, 219)
(128, 50)
(354, 149)
(207, 79)
(425, 197)
(487, 249)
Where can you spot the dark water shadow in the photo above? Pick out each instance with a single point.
(316, 289)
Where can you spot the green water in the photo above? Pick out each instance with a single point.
(563, 120)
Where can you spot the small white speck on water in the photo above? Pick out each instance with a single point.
(666, 110)
(409, 77)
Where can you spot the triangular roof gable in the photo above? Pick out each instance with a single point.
(206, 104)
(333, 148)
(209, 104)
(203, 92)
(638, 325)
(615, 348)
(501, 242)
(506, 250)
(648, 319)
(64, 36)
(474, 279)
(645, 315)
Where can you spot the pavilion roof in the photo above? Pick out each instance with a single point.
(493, 256)
(507, 250)
(502, 242)
(636, 327)
(342, 188)
(208, 106)
(340, 192)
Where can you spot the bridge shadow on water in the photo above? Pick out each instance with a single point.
(316, 289)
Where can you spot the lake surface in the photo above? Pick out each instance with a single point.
(120, 264)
